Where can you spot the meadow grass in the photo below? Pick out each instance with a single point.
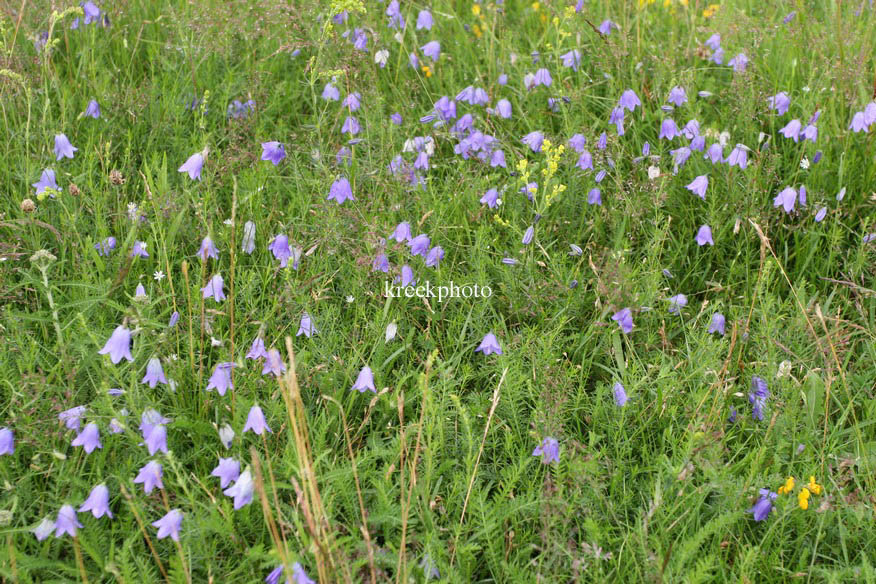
(433, 475)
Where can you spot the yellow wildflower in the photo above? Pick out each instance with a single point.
(535, 6)
(476, 9)
(803, 498)
(477, 31)
(814, 487)
(787, 487)
(427, 70)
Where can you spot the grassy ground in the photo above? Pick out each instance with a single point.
(436, 470)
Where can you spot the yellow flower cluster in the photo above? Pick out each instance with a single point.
(811, 488)
(554, 154)
(710, 10)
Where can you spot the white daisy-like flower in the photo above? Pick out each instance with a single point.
(350, 299)
(381, 57)
(158, 275)
(804, 163)
(653, 172)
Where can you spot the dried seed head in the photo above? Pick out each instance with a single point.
(28, 206)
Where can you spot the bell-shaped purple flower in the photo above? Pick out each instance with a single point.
(139, 250)
(676, 303)
(548, 450)
(157, 440)
(93, 109)
(118, 346)
(227, 471)
(424, 20)
(717, 325)
(792, 130)
(214, 288)
(242, 490)
(780, 102)
(419, 245)
(677, 96)
(97, 502)
(365, 380)
(669, 129)
(330, 92)
(255, 421)
(274, 364)
(594, 197)
(273, 151)
(402, 232)
(704, 236)
(193, 166)
(764, 505)
(629, 100)
(72, 418)
(699, 185)
(154, 373)
(221, 378)
(739, 63)
(257, 349)
(432, 50)
(503, 108)
(67, 522)
(7, 441)
(489, 345)
(150, 476)
(341, 191)
(738, 157)
(208, 249)
(169, 525)
(407, 276)
(787, 198)
(279, 246)
(47, 181)
(306, 327)
(491, 198)
(534, 140)
(435, 255)
(715, 153)
(572, 59)
(89, 438)
(620, 395)
(63, 147)
(624, 319)
(105, 246)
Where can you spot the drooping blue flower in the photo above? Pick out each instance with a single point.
(787, 198)
(717, 324)
(572, 59)
(208, 249)
(97, 502)
(63, 147)
(534, 140)
(154, 373)
(193, 166)
(341, 191)
(47, 181)
(424, 20)
(489, 345)
(273, 151)
(704, 236)
(274, 364)
(779, 102)
(620, 395)
(242, 490)
(226, 471)
(306, 327)
(419, 245)
(67, 522)
(761, 509)
(279, 246)
(738, 156)
(105, 246)
(150, 475)
(699, 185)
(89, 438)
(548, 450)
(364, 381)
(93, 109)
(255, 421)
(221, 379)
(676, 303)
(668, 129)
(214, 288)
(432, 49)
(7, 441)
(157, 440)
(169, 525)
(624, 319)
(629, 100)
(330, 92)
(677, 96)
(118, 346)
(434, 256)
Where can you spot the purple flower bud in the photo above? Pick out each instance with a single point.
(620, 395)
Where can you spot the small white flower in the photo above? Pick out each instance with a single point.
(391, 329)
(784, 369)
(159, 276)
(498, 201)
(227, 221)
(724, 138)
(399, 37)
(653, 172)
(171, 384)
(806, 89)
(214, 342)
(226, 435)
(804, 163)
(133, 211)
(350, 299)
(380, 57)
(760, 137)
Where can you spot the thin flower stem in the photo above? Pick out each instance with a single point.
(79, 561)
(185, 271)
(145, 534)
(231, 286)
